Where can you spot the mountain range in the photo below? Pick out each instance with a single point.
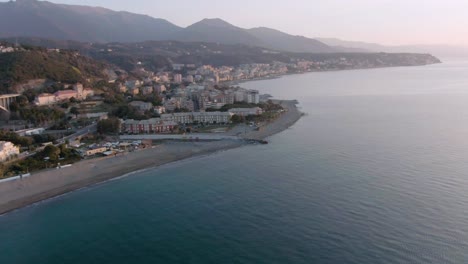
(32, 18)
(46, 20)
(445, 51)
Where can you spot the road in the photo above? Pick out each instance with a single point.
(81, 132)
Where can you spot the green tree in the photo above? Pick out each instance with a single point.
(75, 111)
(109, 126)
(52, 152)
(237, 119)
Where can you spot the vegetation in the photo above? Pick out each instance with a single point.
(126, 111)
(38, 63)
(49, 157)
(267, 107)
(14, 138)
(156, 55)
(41, 115)
(237, 119)
(75, 111)
(109, 126)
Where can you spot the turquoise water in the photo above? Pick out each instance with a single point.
(377, 172)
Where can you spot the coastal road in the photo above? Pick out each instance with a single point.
(81, 132)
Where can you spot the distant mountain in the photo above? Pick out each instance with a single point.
(437, 50)
(278, 40)
(33, 18)
(217, 31)
(357, 45)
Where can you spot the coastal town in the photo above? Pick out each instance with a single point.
(69, 120)
(53, 124)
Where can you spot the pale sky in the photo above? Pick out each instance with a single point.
(392, 22)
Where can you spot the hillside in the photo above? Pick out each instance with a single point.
(29, 63)
(83, 23)
(160, 55)
(278, 40)
(217, 31)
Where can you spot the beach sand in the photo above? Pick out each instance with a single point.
(50, 183)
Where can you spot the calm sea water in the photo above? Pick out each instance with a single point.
(377, 172)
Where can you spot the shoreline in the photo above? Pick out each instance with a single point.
(52, 183)
(279, 76)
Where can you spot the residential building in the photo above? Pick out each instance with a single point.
(142, 106)
(189, 78)
(122, 88)
(178, 78)
(160, 88)
(45, 99)
(147, 90)
(177, 66)
(133, 83)
(149, 126)
(252, 97)
(160, 110)
(246, 111)
(187, 104)
(180, 118)
(8, 150)
(65, 95)
(171, 104)
(30, 132)
(199, 117)
(135, 91)
(212, 117)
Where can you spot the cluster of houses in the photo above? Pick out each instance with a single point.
(194, 98)
(211, 74)
(8, 150)
(78, 92)
(5, 49)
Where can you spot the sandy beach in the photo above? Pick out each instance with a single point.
(50, 183)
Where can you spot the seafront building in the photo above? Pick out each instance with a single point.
(199, 117)
(8, 150)
(168, 123)
(246, 111)
(212, 117)
(149, 126)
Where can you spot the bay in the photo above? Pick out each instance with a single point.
(376, 172)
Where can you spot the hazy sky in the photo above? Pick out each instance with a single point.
(383, 21)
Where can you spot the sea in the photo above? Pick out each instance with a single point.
(375, 172)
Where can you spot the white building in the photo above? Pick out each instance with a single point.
(6, 49)
(199, 117)
(189, 78)
(178, 78)
(252, 97)
(8, 150)
(160, 109)
(142, 106)
(45, 99)
(180, 118)
(30, 132)
(212, 117)
(246, 111)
